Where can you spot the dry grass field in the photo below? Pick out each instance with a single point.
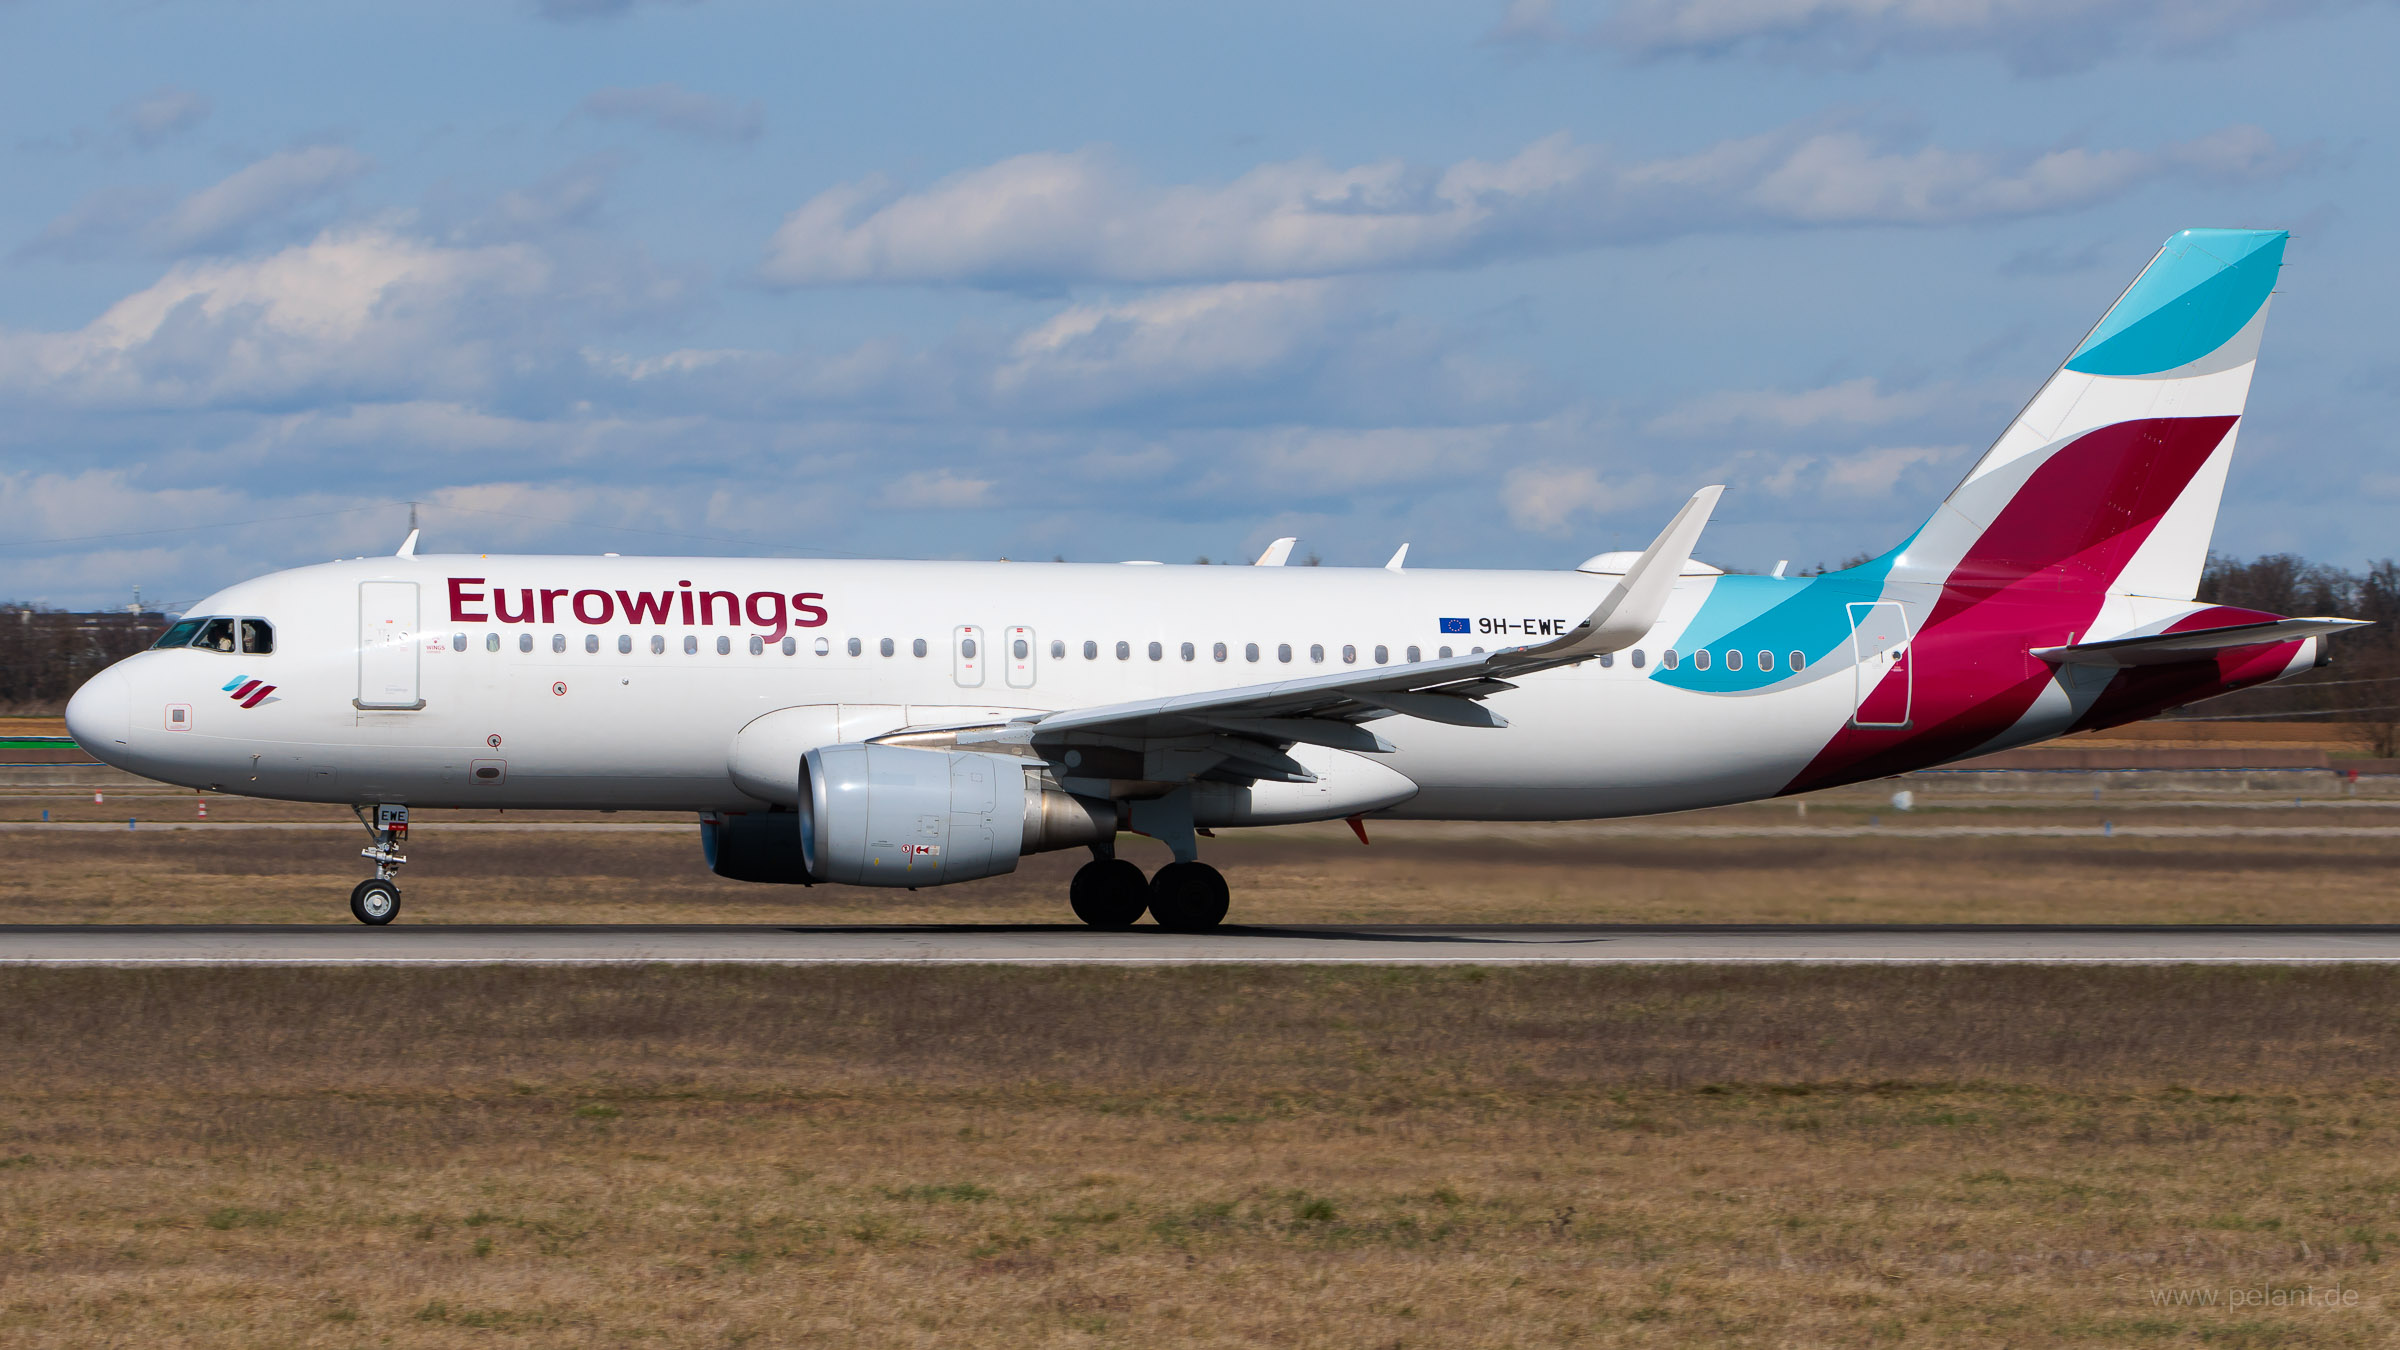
(1904, 871)
(1208, 1157)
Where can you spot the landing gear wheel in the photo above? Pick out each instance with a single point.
(375, 901)
(1188, 897)
(1109, 893)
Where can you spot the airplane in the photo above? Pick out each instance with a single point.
(915, 723)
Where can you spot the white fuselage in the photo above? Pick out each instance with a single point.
(615, 714)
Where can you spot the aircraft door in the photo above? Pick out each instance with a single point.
(968, 656)
(1879, 639)
(387, 646)
(1020, 658)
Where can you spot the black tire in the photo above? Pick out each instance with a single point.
(375, 901)
(1189, 897)
(1109, 893)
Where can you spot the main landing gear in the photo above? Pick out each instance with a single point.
(1185, 897)
(377, 899)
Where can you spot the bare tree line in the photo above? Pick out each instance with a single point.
(46, 654)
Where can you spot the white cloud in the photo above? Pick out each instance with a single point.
(1861, 402)
(1169, 339)
(235, 209)
(2034, 36)
(349, 310)
(1043, 220)
(1547, 498)
(671, 107)
(275, 186)
(161, 114)
(937, 489)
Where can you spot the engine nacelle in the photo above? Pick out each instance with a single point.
(888, 815)
(760, 846)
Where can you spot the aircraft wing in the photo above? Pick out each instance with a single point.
(2156, 649)
(1241, 732)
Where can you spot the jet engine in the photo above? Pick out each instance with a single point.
(760, 846)
(889, 815)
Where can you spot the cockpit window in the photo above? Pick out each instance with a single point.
(258, 636)
(178, 635)
(216, 635)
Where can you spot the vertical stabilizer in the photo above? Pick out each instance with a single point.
(2109, 479)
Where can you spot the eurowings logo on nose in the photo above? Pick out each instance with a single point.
(249, 692)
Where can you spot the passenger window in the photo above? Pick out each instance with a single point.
(216, 636)
(1058, 650)
(458, 642)
(1349, 654)
(1316, 651)
(1091, 650)
(885, 647)
(1218, 651)
(1190, 652)
(791, 646)
(1383, 654)
(855, 649)
(824, 648)
(258, 637)
(691, 646)
(658, 644)
(1124, 651)
(177, 635)
(491, 642)
(1445, 653)
(1283, 651)
(624, 644)
(1638, 658)
(1157, 652)
(966, 648)
(1733, 660)
(591, 642)
(1667, 658)
(1250, 651)
(1799, 661)
(524, 642)
(1021, 648)
(758, 645)
(1608, 660)
(1766, 660)
(558, 642)
(1415, 654)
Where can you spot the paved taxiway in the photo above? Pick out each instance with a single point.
(1031, 944)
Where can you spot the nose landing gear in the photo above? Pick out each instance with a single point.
(377, 899)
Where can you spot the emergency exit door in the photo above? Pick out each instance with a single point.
(1879, 639)
(968, 656)
(1020, 658)
(387, 645)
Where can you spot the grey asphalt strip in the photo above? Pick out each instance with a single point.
(1035, 944)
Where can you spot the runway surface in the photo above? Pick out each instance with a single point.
(1034, 944)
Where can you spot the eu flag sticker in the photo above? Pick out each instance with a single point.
(1454, 625)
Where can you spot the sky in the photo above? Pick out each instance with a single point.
(1504, 281)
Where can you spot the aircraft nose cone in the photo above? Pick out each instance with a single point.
(100, 716)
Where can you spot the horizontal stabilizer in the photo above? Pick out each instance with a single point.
(2158, 649)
